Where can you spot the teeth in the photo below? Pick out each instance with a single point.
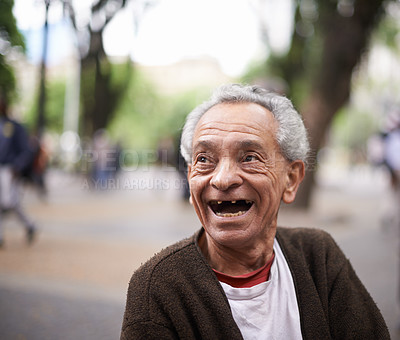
(239, 213)
(233, 202)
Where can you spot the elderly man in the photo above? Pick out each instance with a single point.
(240, 276)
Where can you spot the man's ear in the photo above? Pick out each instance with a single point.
(294, 176)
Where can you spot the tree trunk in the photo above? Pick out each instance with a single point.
(346, 39)
(41, 113)
(100, 96)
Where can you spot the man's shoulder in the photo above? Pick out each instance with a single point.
(306, 240)
(176, 252)
(179, 265)
(302, 234)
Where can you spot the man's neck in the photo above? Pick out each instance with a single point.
(238, 261)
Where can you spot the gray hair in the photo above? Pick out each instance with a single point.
(291, 135)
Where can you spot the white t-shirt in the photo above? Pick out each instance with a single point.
(268, 310)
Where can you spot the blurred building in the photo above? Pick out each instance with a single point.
(185, 74)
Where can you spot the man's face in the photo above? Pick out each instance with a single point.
(238, 174)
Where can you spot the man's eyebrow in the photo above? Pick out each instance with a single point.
(243, 144)
(249, 144)
(204, 144)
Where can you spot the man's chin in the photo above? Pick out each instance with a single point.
(229, 235)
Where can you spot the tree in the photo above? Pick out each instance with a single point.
(10, 38)
(328, 42)
(100, 94)
(41, 121)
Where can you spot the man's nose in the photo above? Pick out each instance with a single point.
(226, 176)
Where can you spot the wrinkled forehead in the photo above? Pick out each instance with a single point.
(242, 118)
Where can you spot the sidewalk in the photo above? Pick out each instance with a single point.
(71, 283)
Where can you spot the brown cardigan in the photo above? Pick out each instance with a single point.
(176, 295)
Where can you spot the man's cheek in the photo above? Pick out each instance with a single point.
(195, 185)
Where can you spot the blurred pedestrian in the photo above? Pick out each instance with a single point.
(392, 161)
(34, 173)
(15, 157)
(106, 158)
(241, 276)
(384, 150)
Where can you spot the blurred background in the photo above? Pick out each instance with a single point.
(102, 88)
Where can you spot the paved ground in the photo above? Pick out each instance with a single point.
(71, 283)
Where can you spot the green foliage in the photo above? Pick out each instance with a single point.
(314, 21)
(144, 117)
(352, 128)
(7, 79)
(135, 119)
(298, 66)
(256, 70)
(9, 37)
(177, 108)
(54, 107)
(8, 24)
(388, 31)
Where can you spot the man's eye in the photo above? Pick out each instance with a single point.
(250, 158)
(201, 159)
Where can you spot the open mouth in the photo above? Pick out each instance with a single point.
(230, 208)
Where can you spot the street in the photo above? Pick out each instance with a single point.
(71, 283)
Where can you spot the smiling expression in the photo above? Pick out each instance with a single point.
(238, 175)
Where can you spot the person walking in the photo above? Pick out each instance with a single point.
(15, 156)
